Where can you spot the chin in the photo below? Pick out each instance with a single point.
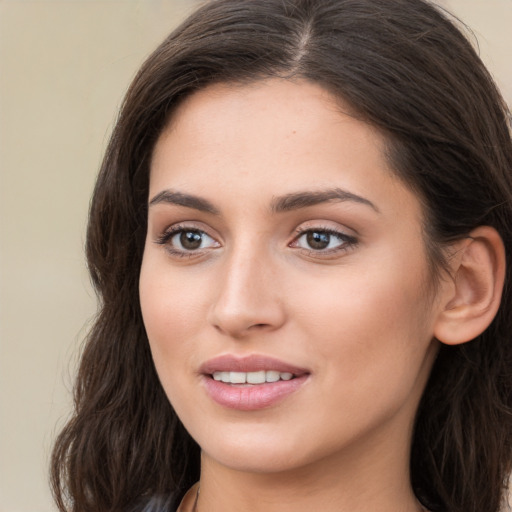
(256, 460)
(264, 448)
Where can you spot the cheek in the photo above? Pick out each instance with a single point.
(372, 323)
(170, 310)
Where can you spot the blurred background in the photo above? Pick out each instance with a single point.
(64, 67)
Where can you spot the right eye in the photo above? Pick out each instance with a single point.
(183, 241)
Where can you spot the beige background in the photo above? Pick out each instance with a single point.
(64, 66)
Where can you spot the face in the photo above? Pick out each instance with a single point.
(284, 284)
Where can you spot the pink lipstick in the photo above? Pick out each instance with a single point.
(250, 383)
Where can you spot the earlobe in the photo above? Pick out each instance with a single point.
(472, 298)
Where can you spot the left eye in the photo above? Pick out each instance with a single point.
(190, 240)
(321, 240)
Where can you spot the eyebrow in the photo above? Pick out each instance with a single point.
(297, 200)
(288, 202)
(187, 200)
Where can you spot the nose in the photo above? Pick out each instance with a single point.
(248, 298)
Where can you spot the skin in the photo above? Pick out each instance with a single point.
(359, 316)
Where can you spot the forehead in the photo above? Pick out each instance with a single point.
(268, 138)
(298, 96)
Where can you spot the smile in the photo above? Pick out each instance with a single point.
(259, 377)
(251, 383)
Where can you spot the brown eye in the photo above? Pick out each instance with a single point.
(318, 240)
(187, 241)
(191, 240)
(324, 241)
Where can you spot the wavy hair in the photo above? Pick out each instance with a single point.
(404, 67)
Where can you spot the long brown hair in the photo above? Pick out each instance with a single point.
(404, 68)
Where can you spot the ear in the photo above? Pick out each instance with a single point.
(470, 300)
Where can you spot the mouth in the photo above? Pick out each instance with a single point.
(252, 378)
(251, 383)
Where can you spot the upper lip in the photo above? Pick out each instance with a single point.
(252, 363)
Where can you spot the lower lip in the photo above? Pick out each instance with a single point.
(251, 397)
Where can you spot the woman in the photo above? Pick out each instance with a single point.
(300, 236)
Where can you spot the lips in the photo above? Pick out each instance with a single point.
(250, 383)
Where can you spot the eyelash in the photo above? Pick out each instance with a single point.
(347, 242)
(165, 238)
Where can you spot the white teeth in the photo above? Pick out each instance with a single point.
(251, 377)
(272, 376)
(256, 377)
(237, 377)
